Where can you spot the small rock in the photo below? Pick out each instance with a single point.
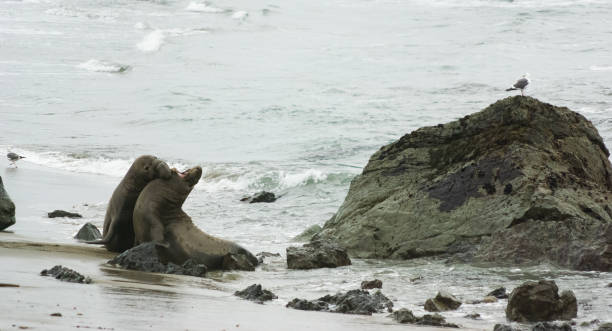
(442, 302)
(317, 254)
(489, 299)
(145, 257)
(307, 234)
(474, 316)
(539, 301)
(63, 213)
(56, 315)
(610, 285)
(370, 284)
(592, 322)
(237, 262)
(88, 232)
(256, 293)
(416, 279)
(65, 275)
(503, 327)
(605, 327)
(499, 293)
(545, 326)
(262, 196)
(404, 316)
(262, 255)
(352, 302)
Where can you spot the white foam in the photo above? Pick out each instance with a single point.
(142, 26)
(29, 32)
(102, 66)
(152, 42)
(203, 8)
(240, 15)
(601, 68)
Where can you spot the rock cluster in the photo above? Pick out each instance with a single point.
(352, 302)
(88, 232)
(540, 301)
(519, 182)
(7, 208)
(317, 254)
(443, 301)
(256, 293)
(146, 257)
(63, 213)
(66, 275)
(406, 316)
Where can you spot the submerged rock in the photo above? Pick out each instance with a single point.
(545, 326)
(256, 293)
(317, 254)
(370, 284)
(539, 301)
(63, 213)
(146, 257)
(499, 293)
(504, 327)
(352, 302)
(474, 316)
(7, 208)
(262, 196)
(308, 234)
(519, 182)
(88, 232)
(66, 275)
(406, 316)
(237, 262)
(442, 302)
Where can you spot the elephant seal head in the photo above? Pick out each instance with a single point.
(146, 168)
(180, 184)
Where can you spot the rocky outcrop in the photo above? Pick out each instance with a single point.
(443, 301)
(66, 275)
(63, 213)
(371, 284)
(7, 208)
(540, 301)
(146, 257)
(352, 302)
(406, 316)
(317, 254)
(519, 182)
(256, 293)
(88, 232)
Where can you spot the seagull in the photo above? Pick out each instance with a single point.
(14, 157)
(520, 84)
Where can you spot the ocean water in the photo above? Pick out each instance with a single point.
(292, 97)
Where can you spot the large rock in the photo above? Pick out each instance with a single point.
(317, 254)
(519, 182)
(7, 208)
(442, 302)
(540, 301)
(147, 257)
(88, 232)
(352, 302)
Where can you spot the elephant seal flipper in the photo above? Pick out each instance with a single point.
(118, 234)
(160, 203)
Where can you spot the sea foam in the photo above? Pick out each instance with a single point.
(203, 8)
(102, 66)
(152, 42)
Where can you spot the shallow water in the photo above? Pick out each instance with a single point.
(291, 97)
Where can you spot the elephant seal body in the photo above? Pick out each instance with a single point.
(118, 231)
(159, 217)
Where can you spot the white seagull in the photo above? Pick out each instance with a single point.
(520, 84)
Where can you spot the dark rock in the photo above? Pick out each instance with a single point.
(262, 255)
(605, 327)
(610, 285)
(406, 316)
(317, 254)
(539, 301)
(370, 284)
(63, 213)
(237, 262)
(88, 232)
(474, 316)
(65, 275)
(545, 326)
(256, 293)
(56, 315)
(534, 178)
(262, 196)
(442, 302)
(7, 208)
(147, 257)
(352, 302)
(308, 234)
(499, 293)
(503, 327)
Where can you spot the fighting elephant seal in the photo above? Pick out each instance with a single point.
(118, 231)
(159, 217)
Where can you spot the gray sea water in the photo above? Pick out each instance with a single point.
(292, 97)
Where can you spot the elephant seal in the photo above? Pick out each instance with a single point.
(159, 217)
(118, 231)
